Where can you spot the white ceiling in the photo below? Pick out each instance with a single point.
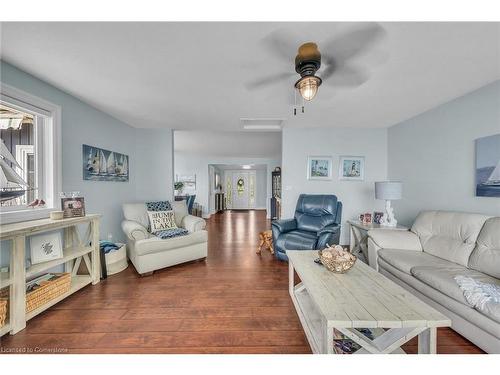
(229, 143)
(193, 75)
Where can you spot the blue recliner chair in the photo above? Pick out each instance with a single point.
(316, 224)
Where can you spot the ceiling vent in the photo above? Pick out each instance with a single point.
(262, 124)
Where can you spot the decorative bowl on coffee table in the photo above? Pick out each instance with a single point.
(337, 264)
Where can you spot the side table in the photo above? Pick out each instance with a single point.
(359, 237)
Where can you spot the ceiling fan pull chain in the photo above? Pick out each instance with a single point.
(295, 102)
(302, 105)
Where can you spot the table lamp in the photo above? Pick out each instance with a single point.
(388, 191)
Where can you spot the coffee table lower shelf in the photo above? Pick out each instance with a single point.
(315, 328)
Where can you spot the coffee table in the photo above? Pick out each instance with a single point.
(360, 298)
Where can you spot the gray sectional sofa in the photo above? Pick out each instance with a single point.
(426, 259)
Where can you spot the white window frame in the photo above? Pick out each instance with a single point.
(22, 152)
(49, 142)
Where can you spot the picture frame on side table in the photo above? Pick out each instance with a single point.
(367, 218)
(46, 247)
(378, 217)
(319, 167)
(352, 168)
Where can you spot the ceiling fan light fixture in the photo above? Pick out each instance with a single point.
(308, 86)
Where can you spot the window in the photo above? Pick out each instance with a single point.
(29, 158)
(18, 177)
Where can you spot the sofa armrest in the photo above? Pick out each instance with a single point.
(332, 229)
(395, 239)
(283, 226)
(193, 223)
(390, 239)
(134, 231)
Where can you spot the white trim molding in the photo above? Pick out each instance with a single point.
(50, 144)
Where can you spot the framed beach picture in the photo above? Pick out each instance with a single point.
(352, 168)
(488, 166)
(104, 165)
(319, 168)
(45, 247)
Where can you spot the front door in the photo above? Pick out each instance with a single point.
(240, 190)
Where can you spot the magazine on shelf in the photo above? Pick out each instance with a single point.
(38, 282)
(345, 345)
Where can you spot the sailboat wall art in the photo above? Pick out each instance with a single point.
(488, 166)
(104, 165)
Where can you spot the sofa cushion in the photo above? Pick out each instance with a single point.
(171, 233)
(443, 279)
(483, 296)
(136, 212)
(465, 311)
(180, 211)
(449, 235)
(158, 206)
(486, 255)
(155, 245)
(297, 240)
(161, 221)
(404, 260)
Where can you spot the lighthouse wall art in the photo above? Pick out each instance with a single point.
(488, 166)
(104, 165)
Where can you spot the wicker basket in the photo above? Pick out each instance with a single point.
(3, 311)
(337, 265)
(48, 291)
(4, 305)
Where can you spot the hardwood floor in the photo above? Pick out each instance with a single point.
(233, 302)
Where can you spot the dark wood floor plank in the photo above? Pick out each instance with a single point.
(235, 301)
(206, 350)
(203, 339)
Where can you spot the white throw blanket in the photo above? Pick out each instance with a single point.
(482, 296)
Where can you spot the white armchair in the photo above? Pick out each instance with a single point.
(148, 252)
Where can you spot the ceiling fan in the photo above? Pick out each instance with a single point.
(338, 54)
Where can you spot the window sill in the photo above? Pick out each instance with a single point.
(8, 217)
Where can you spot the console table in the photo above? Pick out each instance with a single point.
(75, 250)
(359, 237)
(360, 298)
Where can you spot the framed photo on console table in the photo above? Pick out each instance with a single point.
(73, 207)
(45, 247)
(352, 168)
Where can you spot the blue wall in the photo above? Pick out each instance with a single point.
(83, 124)
(434, 155)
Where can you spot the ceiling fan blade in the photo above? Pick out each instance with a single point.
(344, 75)
(331, 64)
(282, 43)
(269, 80)
(355, 41)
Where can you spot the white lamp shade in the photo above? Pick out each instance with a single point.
(388, 190)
